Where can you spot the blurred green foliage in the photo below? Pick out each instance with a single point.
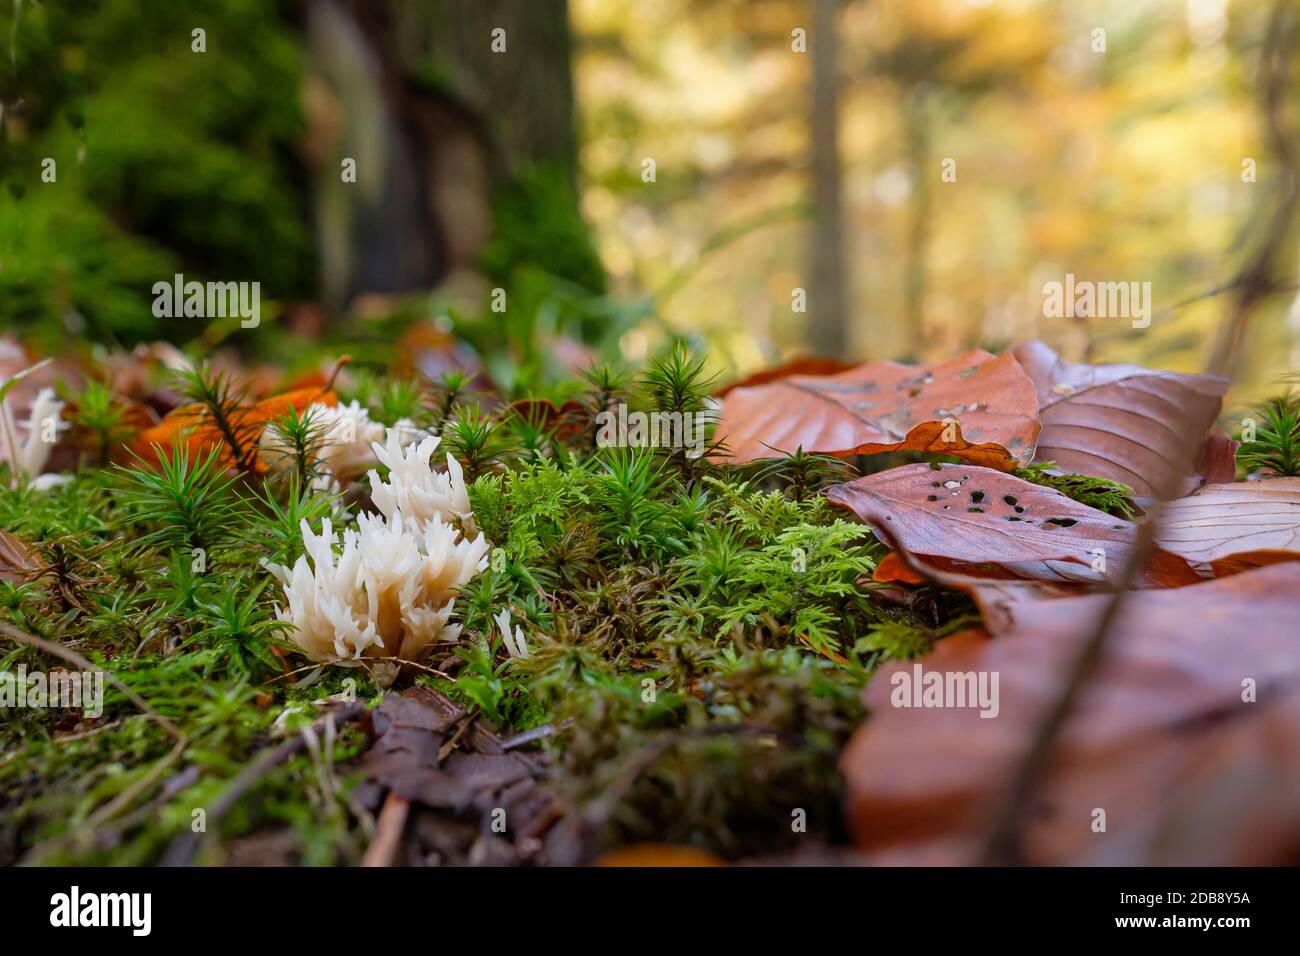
(165, 159)
(536, 224)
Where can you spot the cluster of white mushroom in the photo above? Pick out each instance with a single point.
(27, 447)
(387, 596)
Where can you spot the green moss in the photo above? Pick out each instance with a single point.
(1275, 448)
(537, 225)
(1113, 497)
(691, 630)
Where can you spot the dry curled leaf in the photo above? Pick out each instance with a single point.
(1122, 422)
(1232, 527)
(453, 777)
(985, 523)
(16, 562)
(1219, 459)
(1188, 737)
(804, 365)
(978, 407)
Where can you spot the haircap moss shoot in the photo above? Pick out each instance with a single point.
(621, 428)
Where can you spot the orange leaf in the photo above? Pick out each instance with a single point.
(191, 425)
(976, 406)
(894, 570)
(658, 854)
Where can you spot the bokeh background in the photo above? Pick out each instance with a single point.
(796, 144)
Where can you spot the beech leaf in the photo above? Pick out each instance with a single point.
(977, 406)
(1188, 737)
(1232, 527)
(993, 524)
(804, 365)
(1122, 422)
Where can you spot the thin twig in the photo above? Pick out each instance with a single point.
(388, 833)
(72, 657)
(367, 660)
(1255, 281)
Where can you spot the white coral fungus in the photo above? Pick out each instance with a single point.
(28, 454)
(391, 589)
(414, 489)
(514, 644)
(349, 438)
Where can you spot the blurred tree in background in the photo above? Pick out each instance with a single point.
(1115, 156)
(906, 190)
(221, 154)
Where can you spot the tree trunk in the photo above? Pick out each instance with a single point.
(436, 116)
(524, 94)
(827, 321)
(918, 154)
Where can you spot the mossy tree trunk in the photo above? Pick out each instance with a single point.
(440, 109)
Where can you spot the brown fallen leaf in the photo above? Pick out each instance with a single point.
(996, 525)
(427, 350)
(804, 365)
(1122, 422)
(16, 562)
(1188, 737)
(1233, 527)
(979, 407)
(564, 421)
(997, 592)
(81, 443)
(441, 788)
(1219, 465)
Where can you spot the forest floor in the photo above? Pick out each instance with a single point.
(359, 617)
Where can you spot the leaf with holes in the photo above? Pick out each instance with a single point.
(991, 524)
(1122, 422)
(978, 407)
